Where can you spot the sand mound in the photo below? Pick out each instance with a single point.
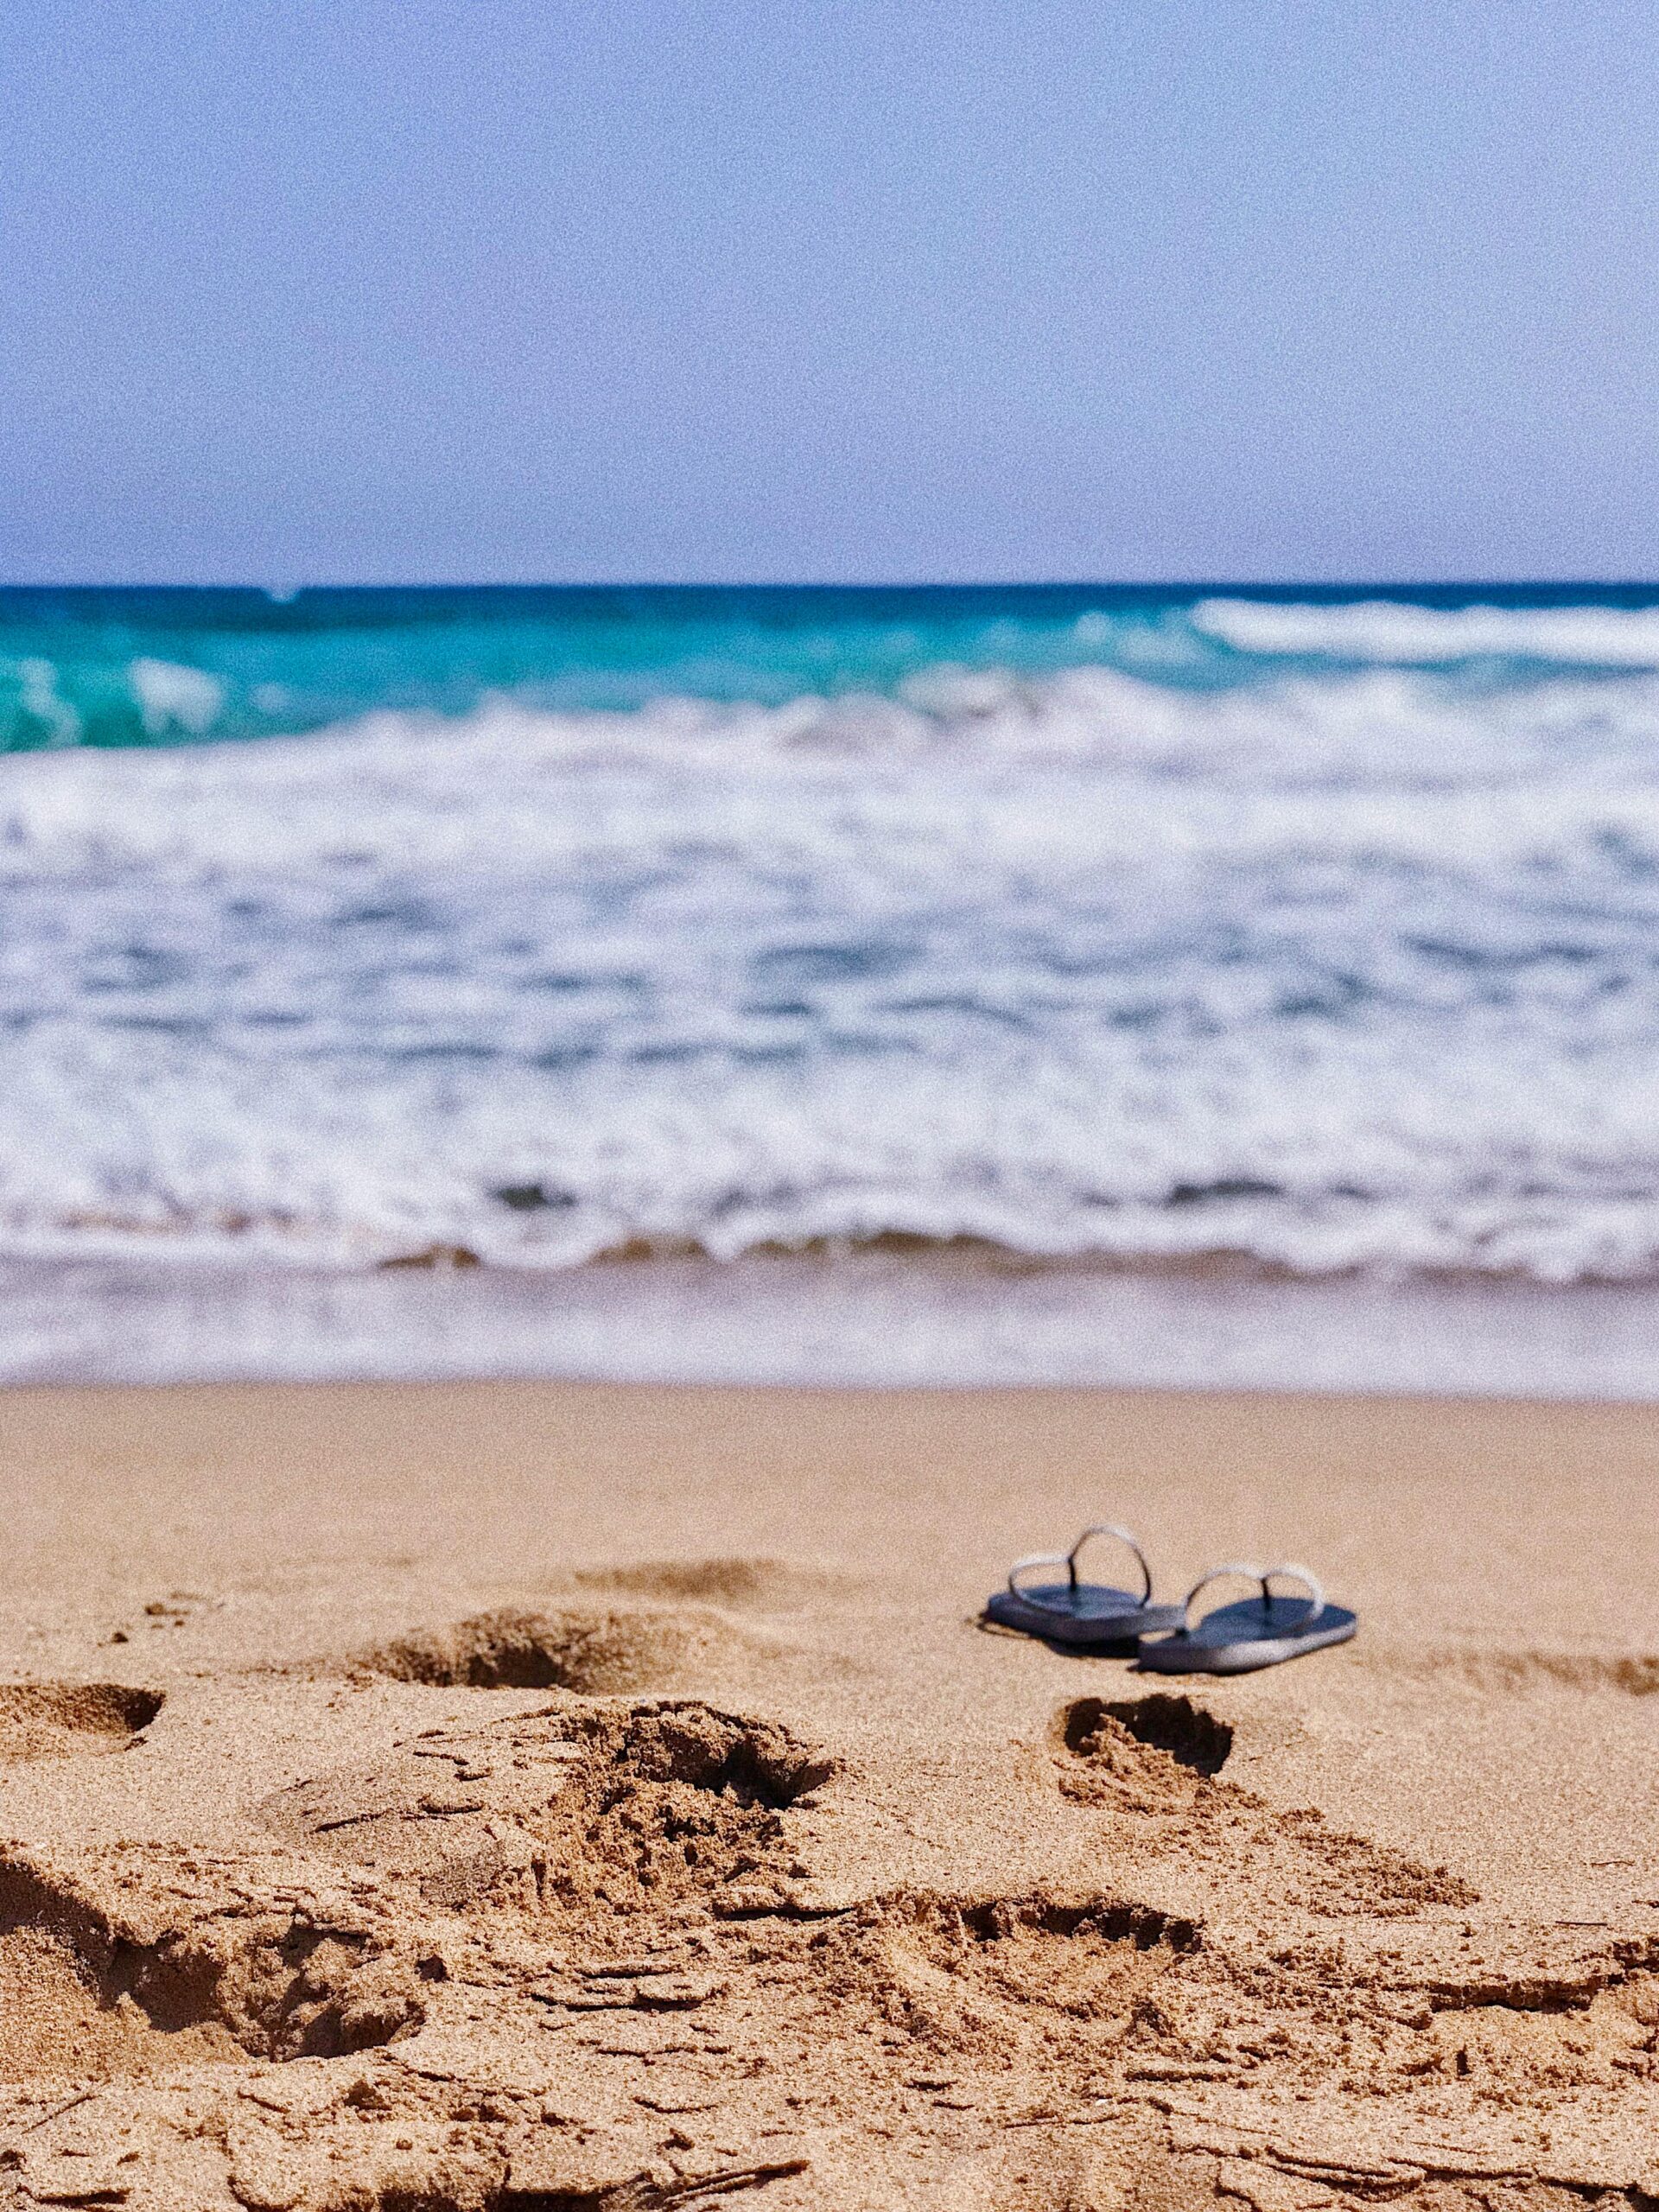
(54, 1719)
(677, 1800)
(569, 1809)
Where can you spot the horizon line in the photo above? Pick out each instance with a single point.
(281, 592)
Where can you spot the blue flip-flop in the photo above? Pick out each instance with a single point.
(1254, 1632)
(1077, 1612)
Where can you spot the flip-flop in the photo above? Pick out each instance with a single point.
(1255, 1632)
(1075, 1613)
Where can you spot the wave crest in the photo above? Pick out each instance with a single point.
(1390, 632)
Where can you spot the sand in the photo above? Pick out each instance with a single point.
(551, 1797)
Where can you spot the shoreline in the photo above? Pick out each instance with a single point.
(871, 1319)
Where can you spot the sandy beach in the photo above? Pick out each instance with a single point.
(544, 1795)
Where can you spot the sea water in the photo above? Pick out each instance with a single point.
(1304, 936)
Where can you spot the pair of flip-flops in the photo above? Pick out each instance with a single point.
(1235, 1639)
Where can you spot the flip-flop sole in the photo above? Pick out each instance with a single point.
(1092, 1613)
(1241, 1638)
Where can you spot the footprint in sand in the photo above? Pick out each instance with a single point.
(58, 2022)
(1158, 1759)
(760, 1585)
(87, 1991)
(1163, 1721)
(41, 1720)
(595, 1650)
(1624, 1674)
(946, 1957)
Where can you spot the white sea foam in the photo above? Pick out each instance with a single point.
(1339, 974)
(42, 702)
(1386, 631)
(173, 696)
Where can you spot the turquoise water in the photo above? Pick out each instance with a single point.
(130, 667)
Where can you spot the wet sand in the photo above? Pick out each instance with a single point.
(537, 1794)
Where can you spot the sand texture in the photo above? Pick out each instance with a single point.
(545, 1797)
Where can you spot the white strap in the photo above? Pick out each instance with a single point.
(1289, 1571)
(1035, 1559)
(1069, 1562)
(1112, 1528)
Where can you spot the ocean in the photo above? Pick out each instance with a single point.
(909, 962)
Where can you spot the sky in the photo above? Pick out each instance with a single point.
(407, 291)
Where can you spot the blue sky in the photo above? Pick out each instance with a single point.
(306, 289)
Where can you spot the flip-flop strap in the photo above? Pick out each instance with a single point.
(1122, 1536)
(1264, 1576)
(1037, 1559)
(1310, 1582)
(1235, 1566)
(1069, 1562)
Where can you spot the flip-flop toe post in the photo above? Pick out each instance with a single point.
(1261, 1631)
(1063, 1609)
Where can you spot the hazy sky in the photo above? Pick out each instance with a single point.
(845, 289)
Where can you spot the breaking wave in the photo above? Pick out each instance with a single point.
(1389, 631)
(1353, 968)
